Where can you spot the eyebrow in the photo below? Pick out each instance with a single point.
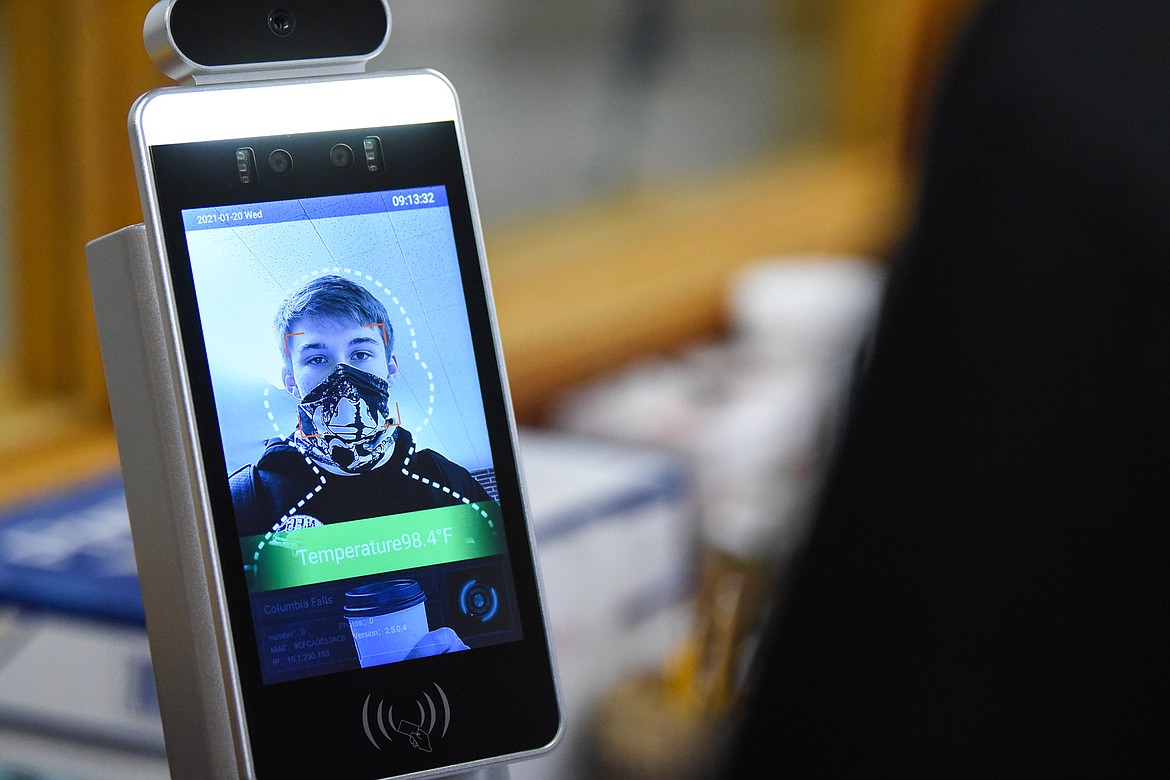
(352, 342)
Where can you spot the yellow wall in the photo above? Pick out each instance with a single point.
(577, 292)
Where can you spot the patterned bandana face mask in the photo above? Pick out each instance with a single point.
(345, 420)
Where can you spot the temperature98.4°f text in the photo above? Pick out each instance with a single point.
(413, 540)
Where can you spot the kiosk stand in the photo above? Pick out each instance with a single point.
(142, 379)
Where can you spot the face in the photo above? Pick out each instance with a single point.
(316, 345)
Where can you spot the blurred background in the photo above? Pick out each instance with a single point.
(688, 207)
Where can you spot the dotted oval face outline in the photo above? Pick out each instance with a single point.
(383, 289)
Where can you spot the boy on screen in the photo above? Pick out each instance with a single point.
(349, 457)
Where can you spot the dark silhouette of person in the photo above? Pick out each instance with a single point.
(984, 588)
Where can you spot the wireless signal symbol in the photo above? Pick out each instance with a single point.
(414, 725)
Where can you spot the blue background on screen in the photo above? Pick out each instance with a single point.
(405, 256)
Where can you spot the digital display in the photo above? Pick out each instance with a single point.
(353, 429)
(353, 559)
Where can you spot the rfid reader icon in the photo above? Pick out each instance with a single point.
(413, 725)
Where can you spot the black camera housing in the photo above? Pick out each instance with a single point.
(222, 40)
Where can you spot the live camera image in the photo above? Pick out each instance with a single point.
(349, 405)
(337, 325)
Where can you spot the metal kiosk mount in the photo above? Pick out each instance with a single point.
(142, 374)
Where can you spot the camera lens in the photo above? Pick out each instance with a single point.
(341, 155)
(280, 161)
(281, 22)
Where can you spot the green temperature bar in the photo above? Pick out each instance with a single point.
(378, 545)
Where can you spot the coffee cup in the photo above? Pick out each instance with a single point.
(387, 619)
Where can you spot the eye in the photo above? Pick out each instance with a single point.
(316, 360)
(363, 354)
